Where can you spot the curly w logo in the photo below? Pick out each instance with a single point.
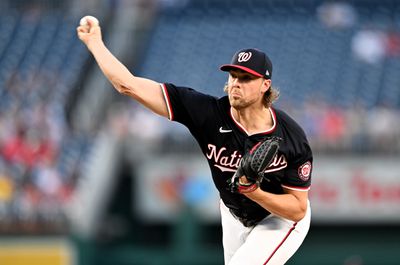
(244, 56)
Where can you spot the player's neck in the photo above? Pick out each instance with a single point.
(253, 120)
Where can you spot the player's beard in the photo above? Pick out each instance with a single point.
(240, 102)
(237, 103)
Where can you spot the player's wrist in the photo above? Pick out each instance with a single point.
(95, 43)
(255, 195)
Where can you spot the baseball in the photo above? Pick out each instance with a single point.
(84, 21)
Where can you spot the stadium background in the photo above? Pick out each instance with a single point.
(89, 177)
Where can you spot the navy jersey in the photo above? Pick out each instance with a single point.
(223, 142)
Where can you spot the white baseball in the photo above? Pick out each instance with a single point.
(84, 21)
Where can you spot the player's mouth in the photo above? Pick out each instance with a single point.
(236, 94)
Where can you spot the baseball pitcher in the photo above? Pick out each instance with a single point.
(259, 157)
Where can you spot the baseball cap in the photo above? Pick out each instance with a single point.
(252, 61)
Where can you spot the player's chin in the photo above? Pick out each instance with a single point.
(237, 103)
(233, 101)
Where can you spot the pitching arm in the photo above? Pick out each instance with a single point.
(145, 91)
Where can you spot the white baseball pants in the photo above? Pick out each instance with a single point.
(271, 242)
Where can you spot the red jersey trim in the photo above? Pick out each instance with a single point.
(273, 115)
(167, 101)
(280, 244)
(296, 188)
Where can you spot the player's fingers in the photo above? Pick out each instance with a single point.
(94, 29)
(82, 29)
(90, 22)
(243, 180)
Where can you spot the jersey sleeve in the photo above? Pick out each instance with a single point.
(300, 164)
(188, 106)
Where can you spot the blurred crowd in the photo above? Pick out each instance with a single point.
(356, 129)
(40, 154)
(370, 44)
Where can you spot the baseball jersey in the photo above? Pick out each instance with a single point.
(223, 142)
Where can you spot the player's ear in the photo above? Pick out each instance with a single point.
(266, 85)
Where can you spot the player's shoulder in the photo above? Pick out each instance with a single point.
(283, 116)
(286, 121)
(224, 102)
(187, 92)
(192, 102)
(184, 88)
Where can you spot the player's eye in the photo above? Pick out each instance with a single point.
(245, 78)
(241, 77)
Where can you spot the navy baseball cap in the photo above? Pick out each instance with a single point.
(252, 61)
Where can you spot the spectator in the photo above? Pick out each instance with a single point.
(337, 15)
(369, 46)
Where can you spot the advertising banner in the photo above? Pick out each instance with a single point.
(344, 189)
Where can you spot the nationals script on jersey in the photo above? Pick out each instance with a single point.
(223, 141)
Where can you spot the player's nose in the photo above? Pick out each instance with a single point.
(235, 82)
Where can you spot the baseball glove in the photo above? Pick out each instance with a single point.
(253, 165)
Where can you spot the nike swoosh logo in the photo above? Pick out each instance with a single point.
(222, 130)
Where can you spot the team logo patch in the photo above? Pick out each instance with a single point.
(244, 56)
(305, 171)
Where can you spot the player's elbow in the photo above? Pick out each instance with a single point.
(298, 216)
(300, 213)
(120, 86)
(123, 88)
